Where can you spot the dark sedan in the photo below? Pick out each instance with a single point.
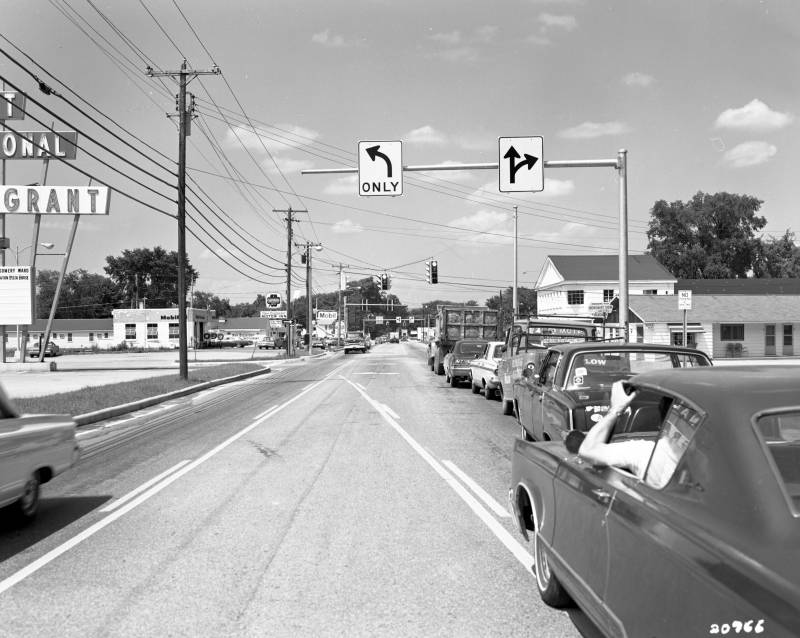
(708, 541)
(571, 388)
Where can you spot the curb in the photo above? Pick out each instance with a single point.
(108, 413)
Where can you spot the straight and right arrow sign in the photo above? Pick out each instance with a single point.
(521, 164)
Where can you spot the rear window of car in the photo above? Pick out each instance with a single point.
(780, 433)
(470, 348)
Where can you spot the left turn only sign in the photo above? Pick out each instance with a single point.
(380, 168)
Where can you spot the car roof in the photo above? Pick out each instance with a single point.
(745, 389)
(605, 346)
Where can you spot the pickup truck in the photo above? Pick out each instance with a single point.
(33, 449)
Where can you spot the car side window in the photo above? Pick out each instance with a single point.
(780, 434)
(548, 370)
(676, 434)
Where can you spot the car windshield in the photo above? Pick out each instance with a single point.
(600, 369)
(781, 435)
(470, 349)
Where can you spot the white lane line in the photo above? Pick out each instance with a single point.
(266, 412)
(124, 499)
(482, 494)
(511, 543)
(50, 556)
(391, 412)
(371, 373)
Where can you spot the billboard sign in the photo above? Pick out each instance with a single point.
(54, 200)
(38, 144)
(16, 295)
(12, 105)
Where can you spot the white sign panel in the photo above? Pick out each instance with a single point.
(273, 300)
(326, 317)
(380, 168)
(521, 164)
(273, 314)
(16, 295)
(54, 200)
(684, 300)
(275, 323)
(378, 320)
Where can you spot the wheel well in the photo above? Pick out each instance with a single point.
(546, 437)
(44, 474)
(525, 508)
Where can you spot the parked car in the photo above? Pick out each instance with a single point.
(33, 449)
(354, 342)
(458, 360)
(483, 370)
(572, 387)
(50, 350)
(527, 341)
(711, 546)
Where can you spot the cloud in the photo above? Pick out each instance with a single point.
(566, 22)
(638, 79)
(589, 130)
(552, 188)
(483, 222)
(749, 154)
(486, 33)
(458, 54)
(347, 185)
(287, 165)
(347, 227)
(425, 135)
(288, 136)
(539, 40)
(451, 39)
(755, 116)
(326, 39)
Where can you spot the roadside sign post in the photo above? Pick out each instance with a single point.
(685, 304)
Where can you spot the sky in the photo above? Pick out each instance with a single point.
(703, 95)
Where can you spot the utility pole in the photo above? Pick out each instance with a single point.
(339, 304)
(514, 299)
(289, 326)
(184, 129)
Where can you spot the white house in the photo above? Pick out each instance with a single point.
(159, 327)
(585, 285)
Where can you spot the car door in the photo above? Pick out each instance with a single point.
(539, 389)
(12, 465)
(580, 540)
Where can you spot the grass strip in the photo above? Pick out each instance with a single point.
(90, 399)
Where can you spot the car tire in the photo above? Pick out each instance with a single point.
(475, 388)
(446, 377)
(488, 393)
(550, 589)
(453, 382)
(28, 504)
(507, 404)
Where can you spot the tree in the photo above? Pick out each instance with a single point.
(526, 299)
(778, 257)
(83, 295)
(201, 299)
(143, 273)
(710, 237)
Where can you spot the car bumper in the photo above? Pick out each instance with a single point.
(460, 372)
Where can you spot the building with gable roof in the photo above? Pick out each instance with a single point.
(585, 285)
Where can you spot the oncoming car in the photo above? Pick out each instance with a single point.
(707, 541)
(571, 388)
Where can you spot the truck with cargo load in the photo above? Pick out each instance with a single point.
(454, 323)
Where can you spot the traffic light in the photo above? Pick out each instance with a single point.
(384, 281)
(428, 271)
(434, 272)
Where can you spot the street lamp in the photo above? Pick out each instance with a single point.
(44, 244)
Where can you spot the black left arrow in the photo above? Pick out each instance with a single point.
(511, 155)
(373, 152)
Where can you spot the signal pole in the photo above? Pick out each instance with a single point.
(183, 130)
(289, 327)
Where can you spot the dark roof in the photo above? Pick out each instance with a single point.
(74, 325)
(746, 388)
(606, 267)
(749, 286)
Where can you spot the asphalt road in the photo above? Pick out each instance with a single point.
(351, 495)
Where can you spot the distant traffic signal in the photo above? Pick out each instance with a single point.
(384, 281)
(434, 272)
